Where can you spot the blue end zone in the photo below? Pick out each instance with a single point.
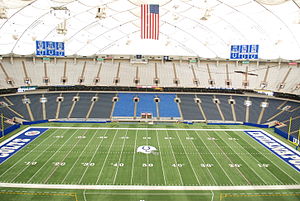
(13, 145)
(284, 152)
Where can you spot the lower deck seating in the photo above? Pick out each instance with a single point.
(146, 104)
(124, 107)
(167, 106)
(189, 108)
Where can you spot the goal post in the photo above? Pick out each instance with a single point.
(2, 125)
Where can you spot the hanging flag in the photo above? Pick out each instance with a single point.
(150, 21)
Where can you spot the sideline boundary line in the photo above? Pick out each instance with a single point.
(168, 129)
(135, 187)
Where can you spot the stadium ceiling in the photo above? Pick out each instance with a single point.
(204, 28)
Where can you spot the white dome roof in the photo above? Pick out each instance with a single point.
(204, 28)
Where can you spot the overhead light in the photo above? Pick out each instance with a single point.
(206, 15)
(3, 13)
(175, 17)
(203, 18)
(62, 28)
(60, 12)
(128, 42)
(101, 14)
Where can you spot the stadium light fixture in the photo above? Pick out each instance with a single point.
(62, 28)
(3, 13)
(101, 13)
(61, 13)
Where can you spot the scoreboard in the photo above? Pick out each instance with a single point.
(244, 52)
(50, 48)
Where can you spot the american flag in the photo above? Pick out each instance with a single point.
(150, 21)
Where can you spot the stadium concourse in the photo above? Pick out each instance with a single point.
(175, 100)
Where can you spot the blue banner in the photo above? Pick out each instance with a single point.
(244, 52)
(50, 48)
(17, 142)
(281, 150)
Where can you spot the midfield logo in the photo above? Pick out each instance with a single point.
(146, 149)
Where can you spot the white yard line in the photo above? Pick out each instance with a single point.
(133, 159)
(99, 175)
(95, 152)
(51, 157)
(269, 159)
(27, 153)
(162, 129)
(254, 158)
(180, 176)
(133, 187)
(243, 159)
(148, 179)
(202, 159)
(78, 157)
(187, 156)
(41, 153)
(215, 158)
(55, 168)
(161, 160)
(119, 161)
(231, 162)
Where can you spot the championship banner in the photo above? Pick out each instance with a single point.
(242, 52)
(50, 48)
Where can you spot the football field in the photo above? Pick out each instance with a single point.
(147, 159)
(111, 156)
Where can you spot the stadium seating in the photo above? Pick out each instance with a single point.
(103, 107)
(209, 107)
(125, 105)
(278, 109)
(82, 106)
(225, 107)
(146, 104)
(189, 108)
(167, 106)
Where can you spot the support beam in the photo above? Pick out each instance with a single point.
(247, 112)
(57, 110)
(233, 112)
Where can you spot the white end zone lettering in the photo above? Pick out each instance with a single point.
(280, 149)
(18, 141)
